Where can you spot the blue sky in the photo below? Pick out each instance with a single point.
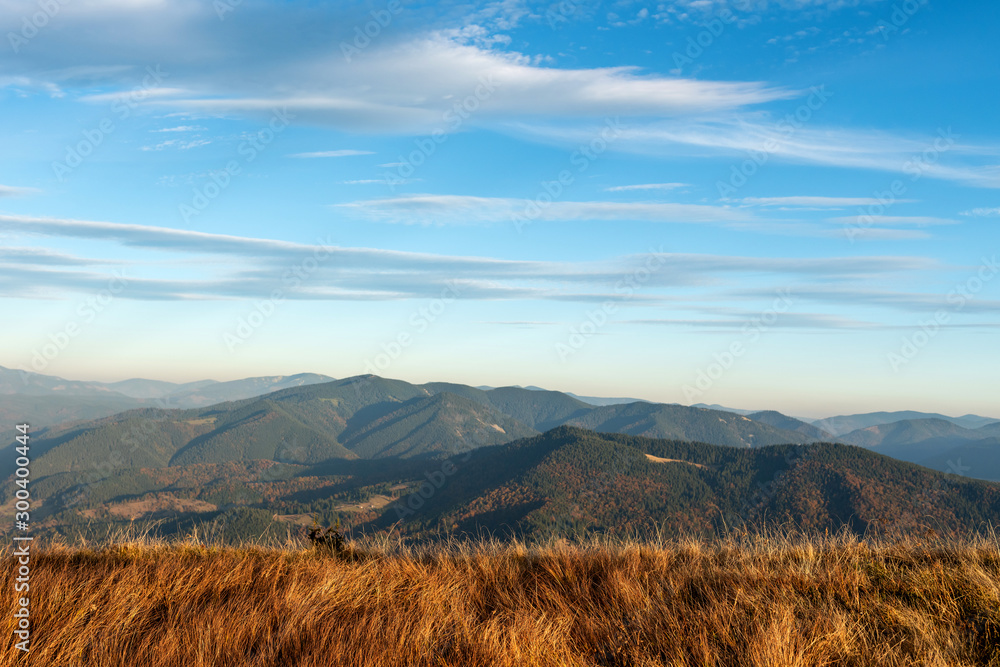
(782, 204)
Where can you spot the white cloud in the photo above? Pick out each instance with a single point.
(365, 273)
(409, 86)
(178, 144)
(14, 191)
(759, 137)
(44, 256)
(982, 212)
(182, 128)
(824, 231)
(133, 98)
(459, 209)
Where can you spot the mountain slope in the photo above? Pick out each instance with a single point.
(27, 383)
(979, 459)
(441, 424)
(262, 430)
(45, 411)
(141, 388)
(846, 423)
(656, 420)
(716, 406)
(210, 393)
(44, 400)
(602, 400)
(539, 409)
(133, 439)
(905, 432)
(784, 422)
(571, 479)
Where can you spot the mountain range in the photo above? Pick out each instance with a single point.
(936, 443)
(44, 400)
(357, 449)
(371, 417)
(926, 438)
(846, 423)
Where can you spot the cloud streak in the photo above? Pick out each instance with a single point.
(431, 209)
(13, 191)
(259, 265)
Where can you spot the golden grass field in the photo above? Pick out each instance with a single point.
(768, 601)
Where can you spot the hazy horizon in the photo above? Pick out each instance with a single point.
(568, 390)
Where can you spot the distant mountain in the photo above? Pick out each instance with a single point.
(784, 422)
(198, 394)
(27, 383)
(187, 395)
(716, 406)
(597, 400)
(140, 388)
(916, 439)
(589, 400)
(44, 400)
(572, 480)
(679, 422)
(906, 432)
(934, 442)
(43, 411)
(847, 423)
(979, 459)
(541, 410)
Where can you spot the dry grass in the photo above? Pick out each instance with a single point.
(768, 601)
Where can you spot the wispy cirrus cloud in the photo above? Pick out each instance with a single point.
(815, 321)
(463, 209)
(256, 266)
(414, 84)
(16, 191)
(177, 144)
(125, 96)
(823, 230)
(766, 134)
(982, 212)
(44, 256)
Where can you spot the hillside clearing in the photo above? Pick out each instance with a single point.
(657, 459)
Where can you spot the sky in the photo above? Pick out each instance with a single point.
(764, 204)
